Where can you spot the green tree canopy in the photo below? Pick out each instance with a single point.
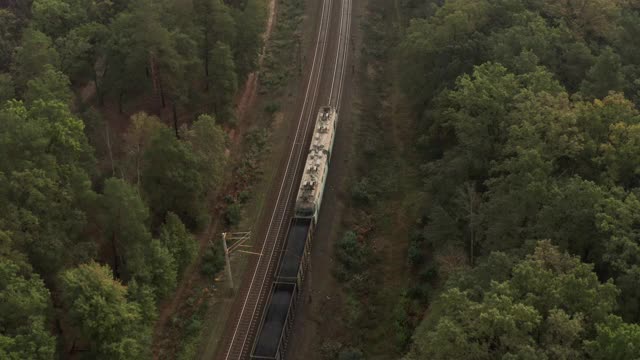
(223, 77)
(208, 141)
(32, 54)
(171, 180)
(50, 85)
(100, 310)
(549, 305)
(127, 227)
(175, 236)
(24, 309)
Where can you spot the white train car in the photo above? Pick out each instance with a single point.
(317, 166)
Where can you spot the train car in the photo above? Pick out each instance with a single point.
(276, 324)
(295, 257)
(316, 167)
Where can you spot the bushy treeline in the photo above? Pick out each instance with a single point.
(529, 131)
(87, 253)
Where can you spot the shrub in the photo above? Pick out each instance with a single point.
(363, 192)
(233, 214)
(272, 108)
(415, 252)
(213, 260)
(351, 354)
(420, 292)
(244, 196)
(415, 255)
(429, 273)
(330, 349)
(352, 256)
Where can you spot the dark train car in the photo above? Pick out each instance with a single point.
(295, 258)
(273, 334)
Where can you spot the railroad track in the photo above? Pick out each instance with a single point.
(340, 68)
(237, 344)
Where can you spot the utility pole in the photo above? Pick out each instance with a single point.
(226, 258)
(238, 238)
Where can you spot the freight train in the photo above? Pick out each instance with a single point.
(277, 320)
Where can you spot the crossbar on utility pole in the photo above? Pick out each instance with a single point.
(250, 252)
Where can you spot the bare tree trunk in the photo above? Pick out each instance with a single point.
(98, 92)
(175, 119)
(120, 96)
(116, 268)
(473, 204)
(162, 101)
(138, 166)
(113, 168)
(206, 62)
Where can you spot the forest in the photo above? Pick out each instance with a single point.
(112, 150)
(529, 147)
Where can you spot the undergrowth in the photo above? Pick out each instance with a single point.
(284, 43)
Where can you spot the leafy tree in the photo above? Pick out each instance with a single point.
(180, 243)
(553, 46)
(145, 296)
(100, 310)
(50, 85)
(83, 54)
(47, 192)
(44, 135)
(7, 91)
(56, 17)
(24, 306)
(126, 220)
(208, 141)
(123, 76)
(162, 269)
(430, 45)
(34, 52)
(45, 212)
(9, 252)
(604, 76)
(549, 293)
(137, 139)
(223, 78)
(586, 18)
(179, 73)
(569, 218)
(250, 24)
(615, 340)
(9, 37)
(215, 23)
(619, 155)
(137, 45)
(171, 180)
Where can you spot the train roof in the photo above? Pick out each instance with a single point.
(317, 160)
(296, 241)
(273, 324)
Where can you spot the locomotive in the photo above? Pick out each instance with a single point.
(317, 166)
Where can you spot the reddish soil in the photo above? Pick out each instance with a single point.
(248, 94)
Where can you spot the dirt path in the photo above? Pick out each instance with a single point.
(250, 89)
(245, 101)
